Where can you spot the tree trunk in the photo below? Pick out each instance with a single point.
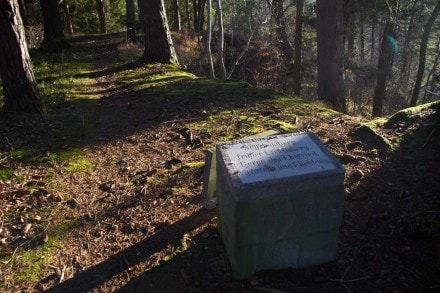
(53, 26)
(373, 36)
(404, 72)
(282, 39)
(23, 12)
(131, 21)
(188, 15)
(330, 53)
(422, 55)
(208, 41)
(221, 40)
(19, 85)
(176, 16)
(385, 64)
(157, 38)
(101, 14)
(429, 81)
(298, 45)
(67, 18)
(199, 14)
(362, 34)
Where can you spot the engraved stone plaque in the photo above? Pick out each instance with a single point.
(276, 157)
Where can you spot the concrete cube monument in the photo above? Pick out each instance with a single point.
(280, 202)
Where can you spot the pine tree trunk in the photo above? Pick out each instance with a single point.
(53, 25)
(131, 21)
(67, 18)
(176, 16)
(385, 64)
(422, 55)
(282, 38)
(157, 38)
(330, 53)
(19, 85)
(101, 15)
(298, 45)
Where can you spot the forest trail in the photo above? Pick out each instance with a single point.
(135, 221)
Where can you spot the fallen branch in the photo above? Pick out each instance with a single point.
(352, 280)
(9, 260)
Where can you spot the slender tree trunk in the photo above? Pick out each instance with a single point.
(362, 34)
(404, 72)
(188, 15)
(176, 16)
(101, 14)
(385, 64)
(208, 41)
(67, 18)
(130, 20)
(373, 36)
(330, 53)
(17, 75)
(53, 26)
(432, 72)
(157, 38)
(298, 45)
(199, 14)
(221, 40)
(422, 55)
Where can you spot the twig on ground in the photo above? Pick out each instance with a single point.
(9, 260)
(270, 290)
(351, 281)
(429, 137)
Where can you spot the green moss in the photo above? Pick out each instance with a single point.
(6, 173)
(31, 264)
(285, 126)
(80, 165)
(405, 114)
(369, 132)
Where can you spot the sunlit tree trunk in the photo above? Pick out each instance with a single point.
(101, 14)
(19, 85)
(131, 21)
(330, 53)
(67, 18)
(385, 64)
(221, 40)
(208, 41)
(23, 12)
(298, 45)
(422, 53)
(53, 25)
(157, 38)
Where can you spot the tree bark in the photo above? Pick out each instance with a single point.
(282, 38)
(157, 38)
(422, 54)
(19, 85)
(23, 12)
(385, 64)
(67, 18)
(53, 26)
(208, 41)
(330, 53)
(199, 14)
(298, 45)
(176, 16)
(404, 72)
(131, 21)
(221, 40)
(101, 15)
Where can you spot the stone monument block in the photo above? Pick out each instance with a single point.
(280, 201)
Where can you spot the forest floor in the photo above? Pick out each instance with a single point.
(117, 206)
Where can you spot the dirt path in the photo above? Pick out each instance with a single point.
(136, 222)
